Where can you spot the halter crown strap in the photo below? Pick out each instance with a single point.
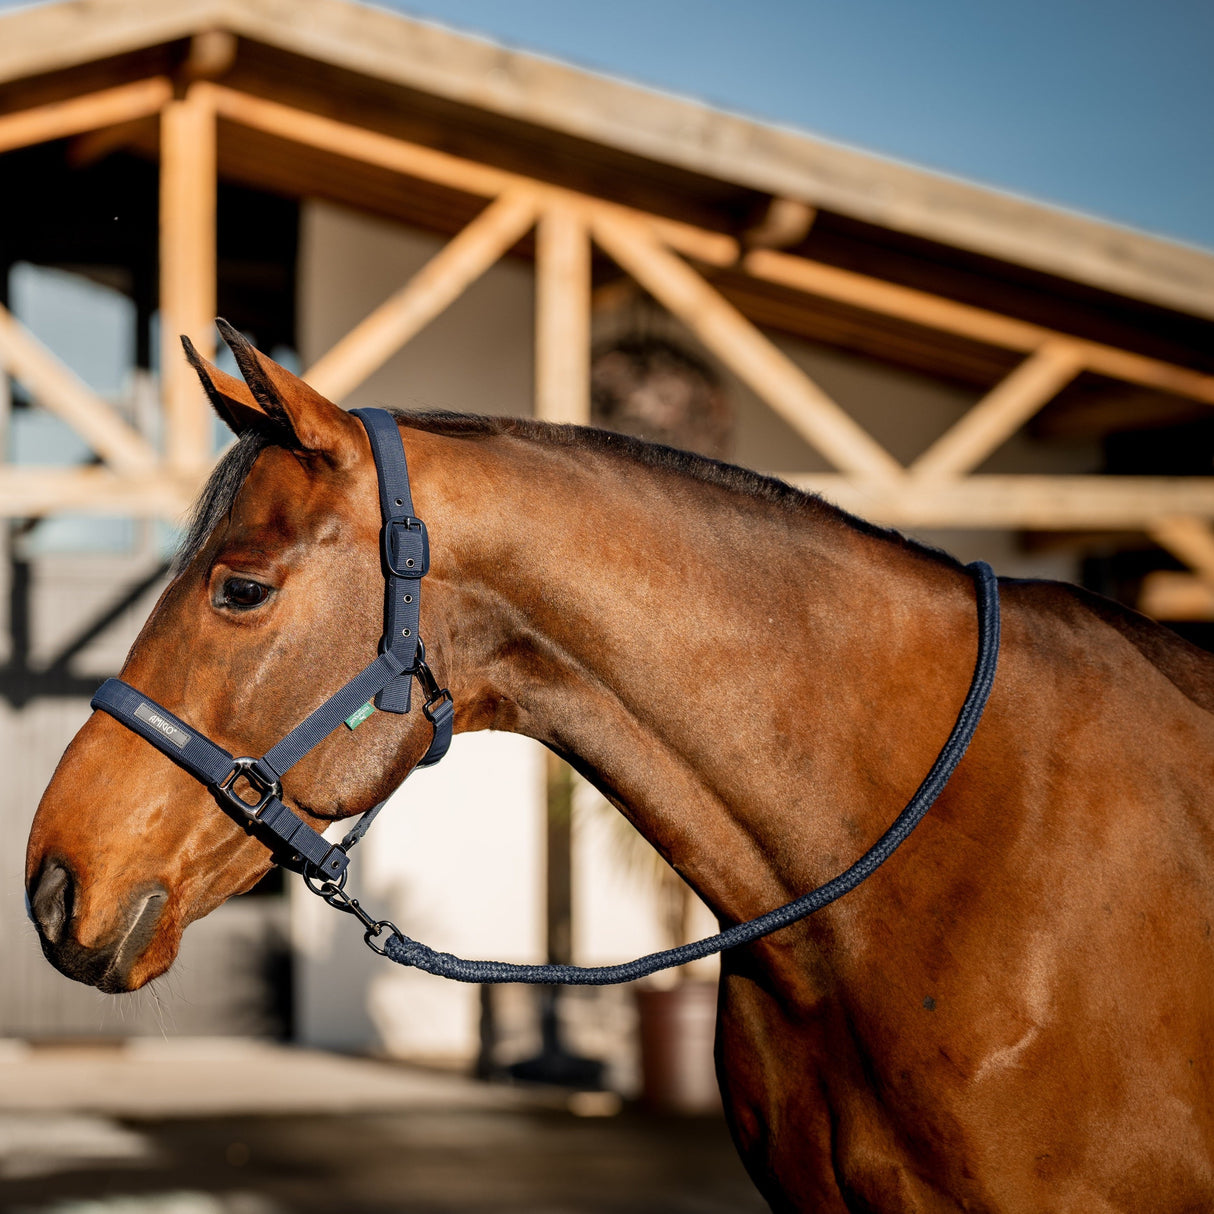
(404, 549)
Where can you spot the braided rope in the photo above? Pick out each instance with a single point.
(406, 951)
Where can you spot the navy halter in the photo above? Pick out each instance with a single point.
(250, 789)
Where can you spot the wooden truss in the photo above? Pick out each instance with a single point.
(939, 489)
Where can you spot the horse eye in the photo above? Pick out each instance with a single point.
(243, 592)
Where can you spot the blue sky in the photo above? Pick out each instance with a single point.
(1101, 106)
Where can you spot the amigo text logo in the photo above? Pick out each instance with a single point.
(177, 736)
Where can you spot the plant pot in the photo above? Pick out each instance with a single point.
(677, 1027)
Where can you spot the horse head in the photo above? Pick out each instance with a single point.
(276, 602)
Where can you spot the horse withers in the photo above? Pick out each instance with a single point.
(1014, 1014)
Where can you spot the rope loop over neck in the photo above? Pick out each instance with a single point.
(409, 952)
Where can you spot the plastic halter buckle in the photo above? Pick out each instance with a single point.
(266, 789)
(406, 547)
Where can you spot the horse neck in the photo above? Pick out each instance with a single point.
(758, 687)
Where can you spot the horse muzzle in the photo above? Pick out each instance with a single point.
(54, 899)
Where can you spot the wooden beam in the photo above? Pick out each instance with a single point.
(1001, 412)
(187, 271)
(890, 299)
(1190, 540)
(562, 316)
(94, 146)
(57, 388)
(358, 143)
(1169, 595)
(141, 98)
(786, 222)
(30, 492)
(936, 312)
(453, 172)
(212, 52)
(434, 287)
(712, 248)
(734, 340)
(92, 112)
(1043, 503)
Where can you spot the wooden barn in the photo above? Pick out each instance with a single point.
(421, 219)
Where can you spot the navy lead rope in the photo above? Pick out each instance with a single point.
(409, 952)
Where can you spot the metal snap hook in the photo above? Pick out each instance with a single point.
(375, 931)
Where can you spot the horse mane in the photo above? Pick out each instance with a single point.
(218, 495)
(230, 473)
(730, 477)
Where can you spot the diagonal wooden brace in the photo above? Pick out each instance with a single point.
(60, 390)
(740, 345)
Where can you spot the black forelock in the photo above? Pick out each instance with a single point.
(219, 494)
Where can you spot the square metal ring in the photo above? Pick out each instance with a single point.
(267, 789)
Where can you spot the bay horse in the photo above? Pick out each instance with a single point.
(1014, 1014)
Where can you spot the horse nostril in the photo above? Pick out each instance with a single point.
(51, 902)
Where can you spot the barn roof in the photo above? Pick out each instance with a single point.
(554, 120)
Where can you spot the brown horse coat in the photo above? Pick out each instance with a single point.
(1014, 1014)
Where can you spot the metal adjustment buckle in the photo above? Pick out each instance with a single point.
(437, 703)
(405, 545)
(266, 789)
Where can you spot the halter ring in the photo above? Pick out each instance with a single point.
(265, 789)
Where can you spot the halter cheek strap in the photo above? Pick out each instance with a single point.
(251, 789)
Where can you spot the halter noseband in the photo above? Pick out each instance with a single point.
(251, 789)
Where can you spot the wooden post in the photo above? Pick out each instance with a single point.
(562, 394)
(562, 317)
(559, 869)
(187, 271)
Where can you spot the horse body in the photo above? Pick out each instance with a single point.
(1013, 1014)
(1017, 1018)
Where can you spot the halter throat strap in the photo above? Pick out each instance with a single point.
(250, 789)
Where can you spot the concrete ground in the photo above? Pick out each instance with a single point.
(230, 1127)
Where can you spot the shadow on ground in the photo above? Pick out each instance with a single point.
(416, 1162)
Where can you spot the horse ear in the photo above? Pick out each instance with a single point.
(313, 422)
(230, 397)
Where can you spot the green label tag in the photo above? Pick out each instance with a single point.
(355, 719)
